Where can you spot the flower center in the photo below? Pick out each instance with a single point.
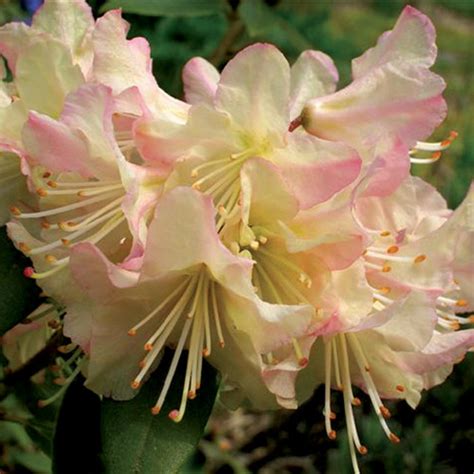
(194, 304)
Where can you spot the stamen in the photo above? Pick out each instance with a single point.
(327, 390)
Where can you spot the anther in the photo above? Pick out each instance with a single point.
(420, 258)
(15, 211)
(436, 155)
(52, 184)
(132, 332)
(386, 268)
(362, 450)
(461, 302)
(65, 242)
(29, 272)
(254, 245)
(222, 344)
(135, 384)
(263, 240)
(385, 290)
(24, 247)
(191, 395)
(332, 435)
(394, 438)
(45, 225)
(46, 175)
(53, 324)
(206, 352)
(174, 415)
(196, 186)
(385, 412)
(400, 388)
(155, 410)
(50, 259)
(41, 192)
(385, 233)
(303, 361)
(194, 173)
(222, 210)
(356, 402)
(332, 416)
(393, 249)
(148, 347)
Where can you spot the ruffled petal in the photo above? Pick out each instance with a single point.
(412, 41)
(258, 106)
(45, 74)
(120, 63)
(312, 75)
(200, 80)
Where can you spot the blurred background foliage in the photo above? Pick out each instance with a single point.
(439, 436)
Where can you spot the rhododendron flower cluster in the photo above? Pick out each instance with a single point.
(268, 223)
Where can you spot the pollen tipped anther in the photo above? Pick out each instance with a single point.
(254, 245)
(222, 344)
(24, 247)
(132, 332)
(332, 435)
(420, 258)
(15, 211)
(65, 242)
(394, 438)
(362, 450)
(385, 290)
(393, 249)
(303, 361)
(436, 155)
(356, 402)
(52, 184)
(461, 302)
(263, 240)
(206, 352)
(222, 211)
(50, 259)
(332, 416)
(41, 192)
(148, 347)
(400, 388)
(386, 268)
(191, 395)
(46, 175)
(45, 225)
(155, 410)
(385, 233)
(29, 272)
(174, 415)
(135, 384)
(385, 412)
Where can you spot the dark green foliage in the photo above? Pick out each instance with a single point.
(19, 295)
(155, 444)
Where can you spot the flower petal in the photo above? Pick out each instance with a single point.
(316, 169)
(258, 106)
(200, 80)
(412, 41)
(406, 103)
(312, 75)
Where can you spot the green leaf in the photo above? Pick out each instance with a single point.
(261, 21)
(168, 7)
(18, 294)
(155, 444)
(76, 446)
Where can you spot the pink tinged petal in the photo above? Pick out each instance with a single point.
(14, 39)
(96, 275)
(88, 112)
(120, 63)
(254, 89)
(262, 186)
(200, 79)
(45, 75)
(316, 169)
(442, 351)
(412, 41)
(312, 75)
(390, 166)
(403, 102)
(54, 146)
(71, 22)
(170, 249)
